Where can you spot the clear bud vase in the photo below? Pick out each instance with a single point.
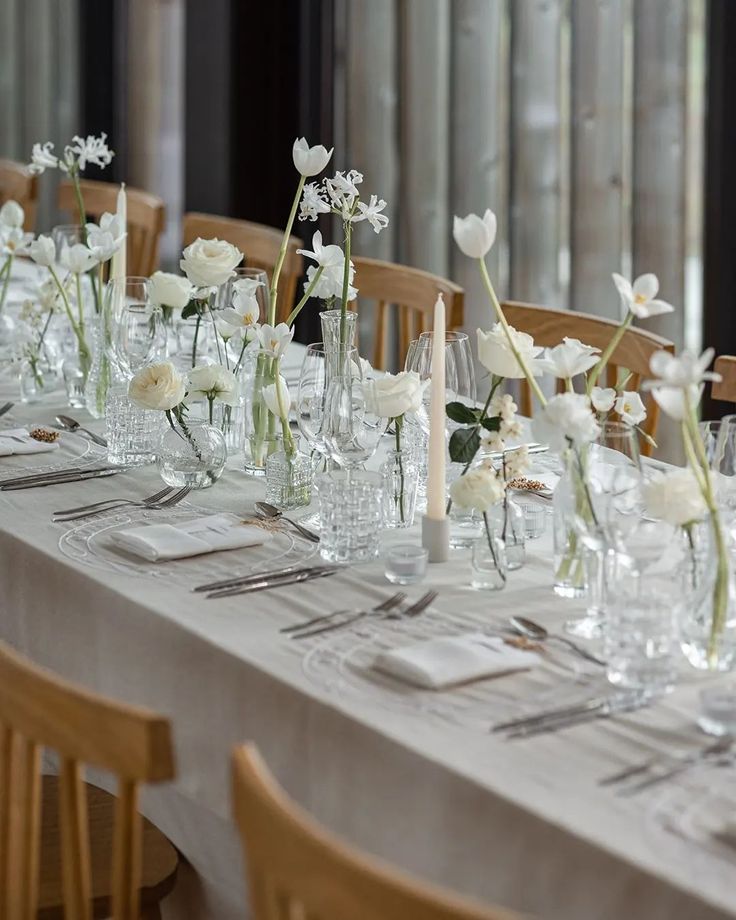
(507, 521)
(488, 563)
(331, 321)
(568, 500)
(289, 476)
(32, 380)
(102, 373)
(261, 428)
(399, 475)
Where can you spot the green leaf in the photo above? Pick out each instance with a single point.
(191, 309)
(492, 424)
(461, 413)
(464, 445)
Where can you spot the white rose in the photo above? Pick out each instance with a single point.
(213, 381)
(43, 251)
(169, 290)
(496, 356)
(278, 403)
(478, 489)
(391, 396)
(631, 409)
(309, 160)
(12, 214)
(674, 497)
(475, 235)
(209, 263)
(158, 386)
(566, 418)
(603, 398)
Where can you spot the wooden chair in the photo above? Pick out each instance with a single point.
(20, 185)
(53, 864)
(632, 355)
(146, 215)
(413, 293)
(259, 244)
(725, 389)
(296, 869)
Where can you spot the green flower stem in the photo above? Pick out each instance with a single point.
(196, 336)
(74, 176)
(240, 357)
(7, 268)
(345, 285)
(282, 253)
(80, 307)
(78, 331)
(398, 425)
(289, 445)
(489, 536)
(609, 350)
(505, 326)
(307, 294)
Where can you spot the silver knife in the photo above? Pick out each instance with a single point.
(560, 713)
(610, 708)
(215, 586)
(71, 471)
(60, 480)
(276, 581)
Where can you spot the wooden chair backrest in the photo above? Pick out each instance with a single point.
(37, 710)
(18, 183)
(632, 355)
(297, 869)
(146, 216)
(725, 389)
(259, 244)
(412, 292)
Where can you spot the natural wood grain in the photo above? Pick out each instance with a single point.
(412, 293)
(259, 244)
(146, 215)
(72, 861)
(549, 327)
(20, 185)
(298, 871)
(725, 389)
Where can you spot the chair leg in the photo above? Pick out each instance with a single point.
(152, 912)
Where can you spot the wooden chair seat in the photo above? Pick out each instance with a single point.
(159, 865)
(725, 389)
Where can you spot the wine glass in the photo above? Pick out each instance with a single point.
(137, 334)
(719, 441)
(65, 235)
(226, 292)
(459, 370)
(351, 432)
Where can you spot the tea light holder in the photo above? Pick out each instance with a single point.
(406, 564)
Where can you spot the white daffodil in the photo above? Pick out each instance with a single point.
(213, 381)
(12, 214)
(43, 251)
(77, 259)
(630, 407)
(497, 357)
(372, 213)
(309, 160)
(475, 235)
(639, 298)
(244, 313)
(42, 158)
(569, 359)
(275, 339)
(15, 242)
(279, 403)
(313, 202)
(603, 398)
(327, 256)
(566, 419)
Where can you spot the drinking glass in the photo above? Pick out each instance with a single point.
(719, 440)
(459, 370)
(137, 331)
(226, 292)
(350, 509)
(351, 433)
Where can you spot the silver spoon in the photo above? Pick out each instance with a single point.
(270, 511)
(536, 631)
(70, 424)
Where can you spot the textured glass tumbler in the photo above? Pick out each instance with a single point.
(350, 510)
(132, 433)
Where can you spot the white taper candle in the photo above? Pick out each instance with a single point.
(119, 269)
(436, 459)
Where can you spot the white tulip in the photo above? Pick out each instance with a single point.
(566, 419)
(475, 235)
(479, 489)
(244, 313)
(103, 245)
(674, 497)
(210, 263)
(213, 381)
(158, 386)
(603, 398)
(496, 356)
(170, 290)
(278, 403)
(42, 158)
(77, 259)
(392, 396)
(43, 251)
(309, 160)
(12, 214)
(246, 287)
(325, 256)
(569, 359)
(630, 407)
(275, 339)
(638, 298)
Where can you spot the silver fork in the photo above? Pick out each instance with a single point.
(386, 605)
(412, 611)
(169, 502)
(118, 501)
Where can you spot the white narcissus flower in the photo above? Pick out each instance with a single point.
(158, 386)
(77, 259)
(496, 356)
(569, 359)
(213, 381)
(392, 396)
(170, 290)
(372, 213)
(43, 250)
(309, 160)
(479, 489)
(342, 190)
(567, 418)
(12, 214)
(90, 149)
(475, 235)
(15, 242)
(678, 377)
(42, 158)
(244, 313)
(278, 403)
(275, 339)
(630, 407)
(210, 263)
(674, 497)
(313, 202)
(638, 298)
(603, 398)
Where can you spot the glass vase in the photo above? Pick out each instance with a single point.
(488, 564)
(331, 321)
(33, 380)
(195, 341)
(507, 521)
(567, 502)
(289, 478)
(191, 454)
(101, 373)
(261, 428)
(399, 475)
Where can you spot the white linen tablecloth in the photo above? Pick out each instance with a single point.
(414, 778)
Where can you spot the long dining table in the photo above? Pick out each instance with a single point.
(414, 776)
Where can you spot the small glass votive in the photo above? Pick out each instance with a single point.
(718, 710)
(406, 564)
(535, 519)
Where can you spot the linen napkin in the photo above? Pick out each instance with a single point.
(210, 534)
(9, 443)
(449, 660)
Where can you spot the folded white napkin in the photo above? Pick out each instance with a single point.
(209, 534)
(19, 441)
(448, 660)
